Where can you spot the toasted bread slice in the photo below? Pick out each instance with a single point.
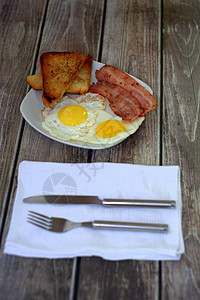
(35, 81)
(81, 83)
(58, 70)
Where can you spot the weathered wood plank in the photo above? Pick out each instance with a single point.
(181, 137)
(131, 42)
(73, 26)
(19, 25)
(68, 26)
(27, 278)
(100, 279)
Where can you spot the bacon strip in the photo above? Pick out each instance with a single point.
(122, 102)
(118, 90)
(118, 77)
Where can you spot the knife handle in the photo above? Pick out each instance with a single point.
(130, 226)
(140, 203)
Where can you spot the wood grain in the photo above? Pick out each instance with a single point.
(181, 137)
(130, 42)
(129, 37)
(72, 27)
(129, 279)
(65, 28)
(133, 44)
(26, 278)
(19, 26)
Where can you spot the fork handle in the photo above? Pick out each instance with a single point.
(130, 226)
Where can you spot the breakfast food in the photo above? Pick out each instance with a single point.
(58, 70)
(122, 91)
(35, 81)
(122, 102)
(71, 118)
(88, 118)
(85, 119)
(79, 85)
(109, 129)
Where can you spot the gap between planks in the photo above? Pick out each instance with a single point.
(161, 127)
(77, 260)
(21, 127)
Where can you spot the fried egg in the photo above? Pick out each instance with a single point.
(109, 129)
(71, 118)
(85, 119)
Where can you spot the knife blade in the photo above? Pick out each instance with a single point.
(75, 199)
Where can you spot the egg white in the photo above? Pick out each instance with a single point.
(91, 102)
(91, 138)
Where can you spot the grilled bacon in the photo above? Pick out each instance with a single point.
(113, 75)
(122, 102)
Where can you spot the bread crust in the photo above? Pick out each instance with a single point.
(35, 81)
(58, 70)
(80, 84)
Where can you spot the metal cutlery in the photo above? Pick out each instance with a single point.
(63, 225)
(75, 199)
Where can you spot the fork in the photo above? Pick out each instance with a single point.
(63, 225)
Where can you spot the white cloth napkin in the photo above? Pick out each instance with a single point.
(106, 180)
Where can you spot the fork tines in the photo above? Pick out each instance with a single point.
(39, 220)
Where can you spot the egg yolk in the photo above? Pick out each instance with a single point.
(72, 115)
(109, 129)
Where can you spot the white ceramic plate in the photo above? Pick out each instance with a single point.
(32, 106)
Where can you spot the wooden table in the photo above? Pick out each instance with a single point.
(158, 42)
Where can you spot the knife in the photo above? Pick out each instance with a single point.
(74, 199)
